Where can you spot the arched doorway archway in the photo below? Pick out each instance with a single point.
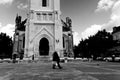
(44, 47)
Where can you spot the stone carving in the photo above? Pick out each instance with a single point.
(69, 22)
(67, 25)
(20, 25)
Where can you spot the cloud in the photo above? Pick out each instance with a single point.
(22, 6)
(115, 15)
(114, 7)
(6, 1)
(76, 38)
(105, 4)
(8, 29)
(116, 11)
(91, 31)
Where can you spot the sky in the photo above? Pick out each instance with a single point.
(88, 16)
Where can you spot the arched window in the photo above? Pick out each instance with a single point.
(44, 3)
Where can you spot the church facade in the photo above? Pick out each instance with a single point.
(44, 30)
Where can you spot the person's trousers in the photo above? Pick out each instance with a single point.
(56, 64)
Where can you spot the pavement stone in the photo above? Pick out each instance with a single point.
(71, 71)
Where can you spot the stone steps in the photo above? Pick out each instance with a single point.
(44, 59)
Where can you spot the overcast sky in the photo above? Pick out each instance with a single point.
(88, 16)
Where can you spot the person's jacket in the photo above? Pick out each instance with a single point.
(55, 57)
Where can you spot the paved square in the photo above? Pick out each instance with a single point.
(75, 70)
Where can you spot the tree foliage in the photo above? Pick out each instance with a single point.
(6, 46)
(96, 45)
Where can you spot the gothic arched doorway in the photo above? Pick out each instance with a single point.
(44, 47)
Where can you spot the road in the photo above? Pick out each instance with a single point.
(75, 70)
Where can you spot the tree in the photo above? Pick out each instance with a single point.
(6, 46)
(96, 45)
(104, 41)
(76, 51)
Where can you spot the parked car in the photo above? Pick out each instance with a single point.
(117, 58)
(100, 58)
(108, 58)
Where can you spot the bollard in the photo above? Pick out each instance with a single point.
(66, 60)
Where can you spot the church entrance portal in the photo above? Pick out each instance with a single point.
(44, 47)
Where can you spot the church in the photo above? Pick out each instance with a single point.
(43, 32)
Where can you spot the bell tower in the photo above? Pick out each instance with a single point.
(43, 33)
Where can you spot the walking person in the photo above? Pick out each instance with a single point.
(14, 58)
(56, 60)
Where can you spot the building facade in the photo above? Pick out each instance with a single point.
(67, 37)
(19, 36)
(44, 32)
(116, 33)
(44, 29)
